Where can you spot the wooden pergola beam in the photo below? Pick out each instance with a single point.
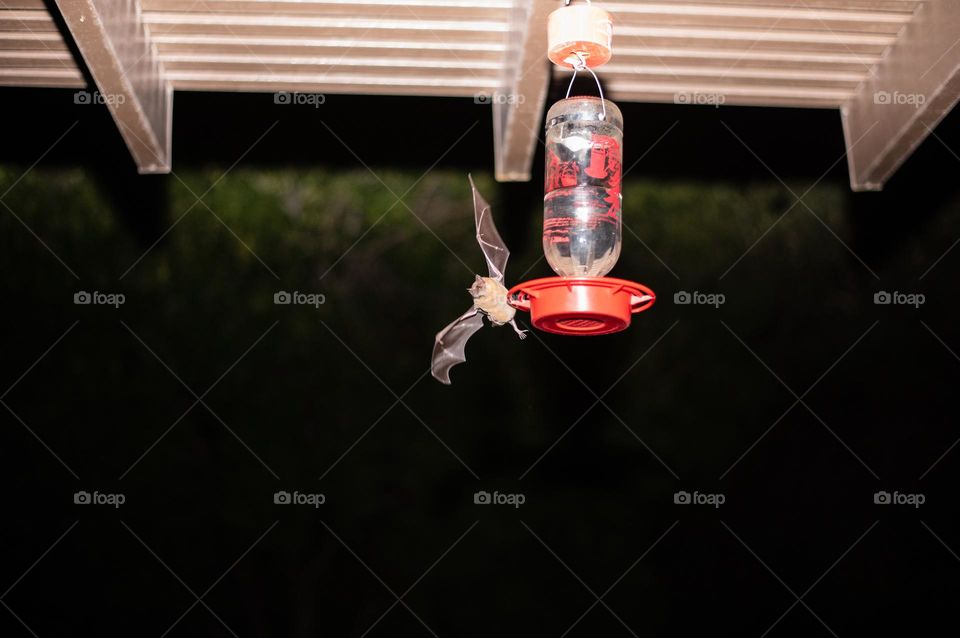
(129, 77)
(518, 106)
(911, 90)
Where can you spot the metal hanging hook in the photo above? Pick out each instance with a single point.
(581, 65)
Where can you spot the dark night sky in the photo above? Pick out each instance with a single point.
(198, 399)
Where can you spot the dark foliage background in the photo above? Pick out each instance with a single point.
(199, 398)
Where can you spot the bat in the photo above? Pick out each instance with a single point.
(489, 297)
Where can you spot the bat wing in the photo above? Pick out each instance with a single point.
(491, 244)
(451, 342)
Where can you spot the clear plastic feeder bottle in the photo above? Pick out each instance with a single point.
(581, 208)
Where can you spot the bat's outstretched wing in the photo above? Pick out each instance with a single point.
(491, 244)
(451, 342)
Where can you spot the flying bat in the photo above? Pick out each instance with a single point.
(489, 297)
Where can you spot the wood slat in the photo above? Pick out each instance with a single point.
(22, 40)
(245, 33)
(306, 55)
(279, 45)
(343, 83)
(354, 7)
(497, 11)
(781, 36)
(811, 20)
(41, 77)
(333, 79)
(902, 6)
(800, 11)
(30, 59)
(758, 75)
(30, 81)
(730, 56)
(698, 94)
(747, 47)
(775, 25)
(402, 23)
(23, 4)
(400, 72)
(248, 58)
(27, 20)
(727, 65)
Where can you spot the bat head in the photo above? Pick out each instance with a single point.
(479, 287)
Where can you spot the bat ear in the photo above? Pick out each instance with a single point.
(478, 280)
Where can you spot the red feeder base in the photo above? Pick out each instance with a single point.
(581, 305)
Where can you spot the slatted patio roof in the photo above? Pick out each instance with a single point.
(798, 53)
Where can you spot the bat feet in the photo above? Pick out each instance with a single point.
(520, 333)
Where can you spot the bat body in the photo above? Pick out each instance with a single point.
(489, 297)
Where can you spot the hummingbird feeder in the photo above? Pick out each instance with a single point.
(582, 202)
